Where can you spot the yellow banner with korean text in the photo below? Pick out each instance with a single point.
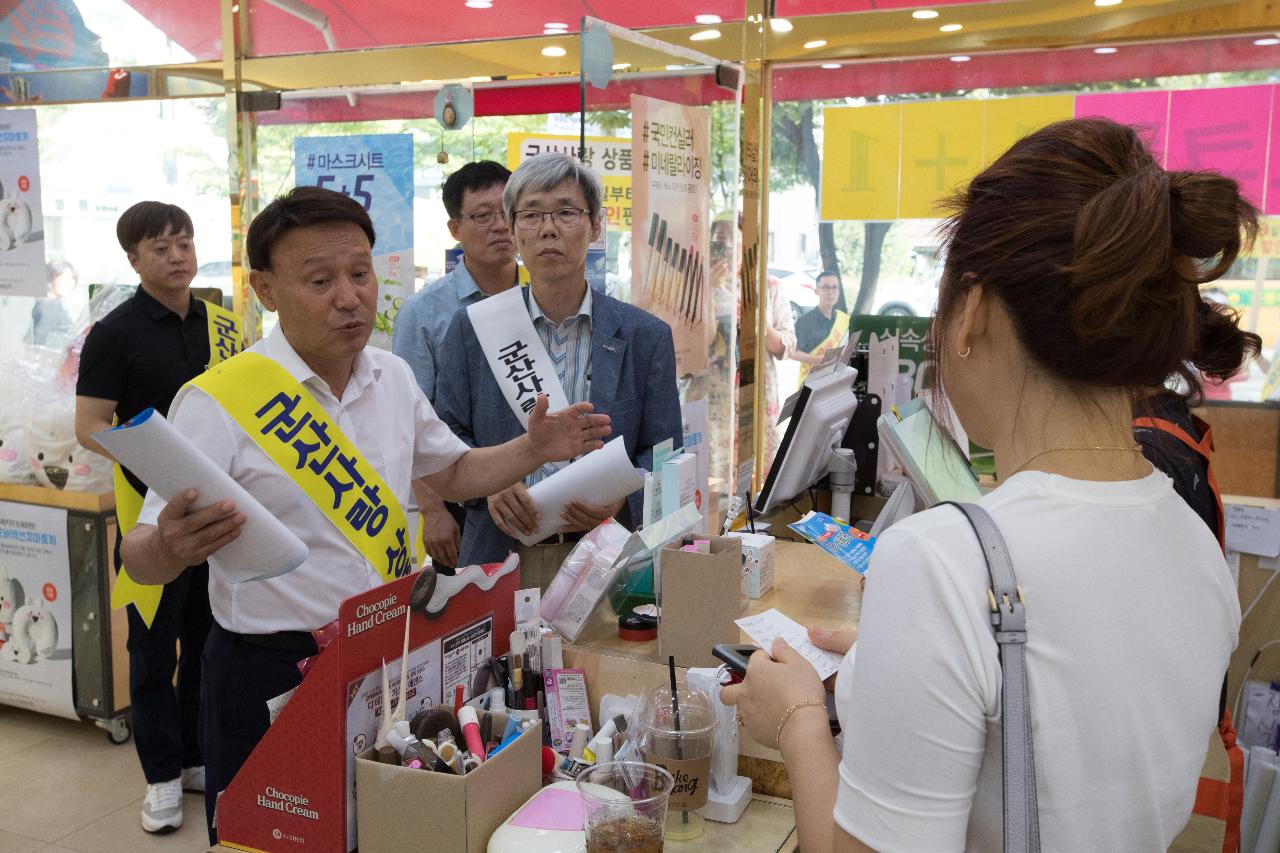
(288, 424)
(226, 338)
(608, 156)
(901, 160)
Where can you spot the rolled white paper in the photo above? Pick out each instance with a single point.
(169, 464)
(601, 478)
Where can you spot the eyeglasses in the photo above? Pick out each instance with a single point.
(831, 287)
(565, 217)
(484, 219)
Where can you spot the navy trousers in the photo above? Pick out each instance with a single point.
(239, 678)
(166, 717)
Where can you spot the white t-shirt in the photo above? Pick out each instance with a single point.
(1131, 620)
(386, 415)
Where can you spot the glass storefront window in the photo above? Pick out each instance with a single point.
(96, 161)
(892, 266)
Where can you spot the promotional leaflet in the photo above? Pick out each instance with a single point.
(847, 544)
(22, 270)
(377, 171)
(35, 610)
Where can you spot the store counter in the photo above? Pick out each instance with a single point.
(810, 586)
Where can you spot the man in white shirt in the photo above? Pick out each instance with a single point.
(310, 252)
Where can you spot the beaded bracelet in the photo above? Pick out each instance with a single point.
(786, 715)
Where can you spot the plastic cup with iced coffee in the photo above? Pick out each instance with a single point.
(624, 806)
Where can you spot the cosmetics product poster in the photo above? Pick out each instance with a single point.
(364, 709)
(377, 171)
(670, 223)
(22, 270)
(35, 610)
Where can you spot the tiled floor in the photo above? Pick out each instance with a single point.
(64, 787)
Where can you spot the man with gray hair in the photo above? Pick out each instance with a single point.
(608, 353)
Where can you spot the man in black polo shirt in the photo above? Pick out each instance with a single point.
(136, 357)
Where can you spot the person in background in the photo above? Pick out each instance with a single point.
(823, 327)
(473, 200)
(50, 319)
(780, 343)
(614, 355)
(135, 358)
(311, 261)
(1071, 286)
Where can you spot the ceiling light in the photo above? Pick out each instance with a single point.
(479, 4)
(553, 51)
(480, 79)
(706, 19)
(816, 43)
(555, 26)
(1266, 42)
(1104, 50)
(831, 66)
(924, 14)
(618, 66)
(705, 35)
(951, 28)
(1106, 2)
(959, 59)
(780, 25)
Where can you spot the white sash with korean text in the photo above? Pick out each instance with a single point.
(518, 360)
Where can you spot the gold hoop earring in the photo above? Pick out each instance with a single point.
(966, 352)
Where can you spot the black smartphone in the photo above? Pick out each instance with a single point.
(735, 656)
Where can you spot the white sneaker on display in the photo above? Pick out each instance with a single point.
(193, 779)
(162, 807)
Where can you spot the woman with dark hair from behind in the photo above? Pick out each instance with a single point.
(1071, 289)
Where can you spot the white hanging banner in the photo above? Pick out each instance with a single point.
(515, 353)
(22, 268)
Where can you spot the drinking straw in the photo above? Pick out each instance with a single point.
(675, 713)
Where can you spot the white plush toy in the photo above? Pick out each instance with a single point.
(16, 215)
(19, 651)
(56, 458)
(35, 627)
(14, 465)
(11, 598)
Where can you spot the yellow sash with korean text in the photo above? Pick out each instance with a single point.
(225, 340)
(839, 329)
(288, 424)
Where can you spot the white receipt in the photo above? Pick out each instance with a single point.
(169, 464)
(764, 627)
(601, 477)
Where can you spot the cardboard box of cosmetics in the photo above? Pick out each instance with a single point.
(399, 808)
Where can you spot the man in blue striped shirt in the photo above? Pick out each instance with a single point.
(613, 355)
(473, 200)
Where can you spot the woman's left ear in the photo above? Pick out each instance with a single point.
(973, 314)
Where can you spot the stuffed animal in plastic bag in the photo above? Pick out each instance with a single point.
(11, 599)
(56, 458)
(35, 629)
(14, 464)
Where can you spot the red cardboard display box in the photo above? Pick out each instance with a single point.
(296, 791)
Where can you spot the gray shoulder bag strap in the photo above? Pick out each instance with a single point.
(1009, 618)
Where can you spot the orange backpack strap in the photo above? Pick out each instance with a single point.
(1204, 448)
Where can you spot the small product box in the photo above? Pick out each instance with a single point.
(757, 563)
(680, 483)
(399, 808)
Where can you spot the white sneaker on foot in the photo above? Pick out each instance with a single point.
(193, 779)
(162, 807)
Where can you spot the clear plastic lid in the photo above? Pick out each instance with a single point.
(690, 717)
